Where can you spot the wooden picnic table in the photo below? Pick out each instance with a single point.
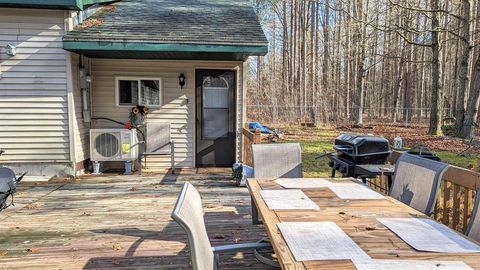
(356, 217)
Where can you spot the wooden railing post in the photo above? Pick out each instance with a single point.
(446, 200)
(257, 138)
(467, 207)
(250, 138)
(456, 206)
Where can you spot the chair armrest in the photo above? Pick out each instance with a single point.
(240, 247)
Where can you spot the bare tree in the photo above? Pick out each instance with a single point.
(343, 61)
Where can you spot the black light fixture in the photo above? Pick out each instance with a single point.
(181, 80)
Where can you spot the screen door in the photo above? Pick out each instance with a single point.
(215, 118)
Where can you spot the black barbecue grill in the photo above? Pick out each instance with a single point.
(353, 150)
(8, 185)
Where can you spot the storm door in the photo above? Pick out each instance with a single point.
(215, 118)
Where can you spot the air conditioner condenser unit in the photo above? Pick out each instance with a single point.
(113, 145)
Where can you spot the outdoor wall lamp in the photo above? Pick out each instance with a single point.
(181, 80)
(11, 50)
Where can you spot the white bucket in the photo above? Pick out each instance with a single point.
(398, 143)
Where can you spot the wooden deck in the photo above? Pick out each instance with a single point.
(121, 222)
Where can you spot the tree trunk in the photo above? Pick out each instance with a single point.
(398, 84)
(285, 52)
(326, 42)
(437, 93)
(359, 83)
(471, 114)
(463, 67)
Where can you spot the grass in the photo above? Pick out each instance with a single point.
(465, 161)
(313, 167)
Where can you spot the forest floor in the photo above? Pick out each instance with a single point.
(318, 140)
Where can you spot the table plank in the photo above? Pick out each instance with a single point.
(270, 220)
(357, 218)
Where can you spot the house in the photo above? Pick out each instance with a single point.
(76, 61)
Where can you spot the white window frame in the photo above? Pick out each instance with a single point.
(139, 79)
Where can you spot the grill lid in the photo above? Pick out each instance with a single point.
(361, 145)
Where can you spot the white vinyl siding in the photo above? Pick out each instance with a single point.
(33, 87)
(178, 104)
(81, 129)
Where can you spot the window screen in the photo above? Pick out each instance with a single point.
(215, 123)
(150, 92)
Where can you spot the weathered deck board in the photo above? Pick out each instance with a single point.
(120, 222)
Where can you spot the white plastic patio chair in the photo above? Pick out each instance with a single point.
(416, 182)
(276, 160)
(188, 213)
(473, 228)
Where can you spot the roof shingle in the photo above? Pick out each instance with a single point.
(219, 22)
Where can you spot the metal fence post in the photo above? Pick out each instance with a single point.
(274, 116)
(406, 117)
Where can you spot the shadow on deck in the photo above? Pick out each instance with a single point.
(121, 222)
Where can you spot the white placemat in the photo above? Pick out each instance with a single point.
(310, 241)
(288, 199)
(428, 235)
(410, 265)
(346, 191)
(354, 191)
(303, 182)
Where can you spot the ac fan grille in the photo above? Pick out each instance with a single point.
(107, 145)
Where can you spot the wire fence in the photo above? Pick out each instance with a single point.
(308, 115)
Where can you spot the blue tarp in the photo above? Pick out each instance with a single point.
(241, 172)
(257, 125)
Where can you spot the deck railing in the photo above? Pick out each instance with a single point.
(249, 138)
(455, 198)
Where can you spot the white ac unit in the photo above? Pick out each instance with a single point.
(113, 145)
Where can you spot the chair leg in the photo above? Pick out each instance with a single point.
(262, 244)
(255, 219)
(216, 264)
(265, 260)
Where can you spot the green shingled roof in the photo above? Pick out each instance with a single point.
(60, 4)
(168, 26)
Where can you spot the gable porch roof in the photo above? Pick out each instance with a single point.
(51, 4)
(171, 29)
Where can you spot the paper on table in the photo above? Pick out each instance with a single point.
(410, 265)
(303, 182)
(354, 191)
(288, 199)
(428, 235)
(310, 241)
(346, 191)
